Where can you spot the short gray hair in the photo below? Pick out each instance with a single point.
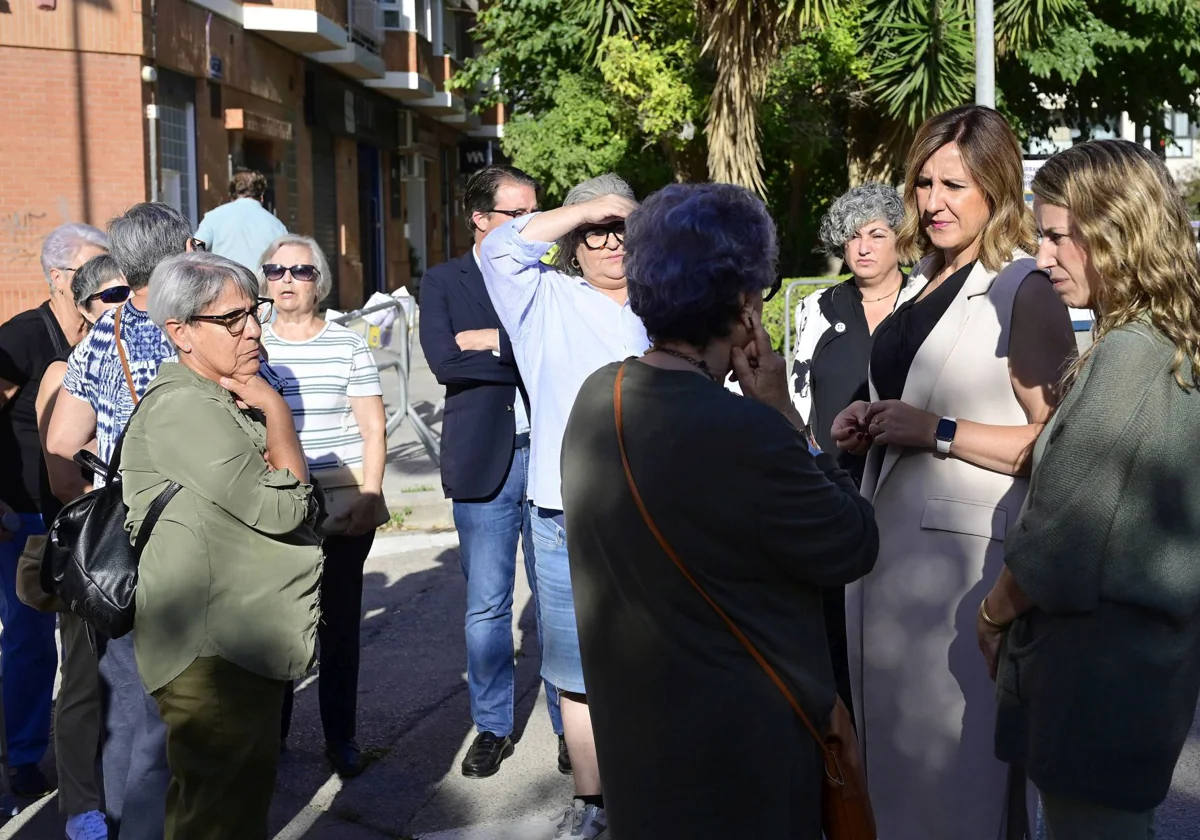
(145, 235)
(861, 205)
(598, 187)
(92, 275)
(324, 280)
(62, 244)
(185, 285)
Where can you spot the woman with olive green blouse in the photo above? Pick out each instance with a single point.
(227, 589)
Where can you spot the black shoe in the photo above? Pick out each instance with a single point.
(346, 758)
(485, 755)
(564, 758)
(27, 781)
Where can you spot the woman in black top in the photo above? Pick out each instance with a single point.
(834, 326)
(834, 330)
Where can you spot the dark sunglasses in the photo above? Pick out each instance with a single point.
(774, 290)
(303, 273)
(235, 321)
(113, 294)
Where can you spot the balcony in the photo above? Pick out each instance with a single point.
(361, 57)
(408, 60)
(301, 26)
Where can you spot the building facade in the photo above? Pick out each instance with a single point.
(342, 104)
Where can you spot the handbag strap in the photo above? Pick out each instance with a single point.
(60, 348)
(831, 765)
(121, 353)
(155, 511)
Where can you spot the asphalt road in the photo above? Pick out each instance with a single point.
(414, 719)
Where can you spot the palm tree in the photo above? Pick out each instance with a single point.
(744, 37)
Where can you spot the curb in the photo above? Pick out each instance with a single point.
(398, 543)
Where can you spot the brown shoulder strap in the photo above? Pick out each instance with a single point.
(831, 765)
(121, 352)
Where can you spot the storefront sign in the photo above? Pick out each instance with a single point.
(239, 119)
(216, 68)
(474, 155)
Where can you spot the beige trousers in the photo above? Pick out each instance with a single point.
(77, 720)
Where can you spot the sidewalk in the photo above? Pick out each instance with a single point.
(412, 484)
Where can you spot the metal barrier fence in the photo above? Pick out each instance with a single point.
(393, 351)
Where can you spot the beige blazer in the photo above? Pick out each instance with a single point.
(922, 695)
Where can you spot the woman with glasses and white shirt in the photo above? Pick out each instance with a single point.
(337, 402)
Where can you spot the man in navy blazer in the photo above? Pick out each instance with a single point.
(485, 461)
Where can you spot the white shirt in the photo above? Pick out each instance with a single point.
(520, 415)
(562, 331)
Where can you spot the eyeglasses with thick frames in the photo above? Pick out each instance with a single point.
(594, 240)
(235, 321)
(512, 214)
(303, 273)
(113, 294)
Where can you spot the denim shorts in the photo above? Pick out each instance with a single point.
(561, 664)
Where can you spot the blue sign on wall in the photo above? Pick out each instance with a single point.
(216, 67)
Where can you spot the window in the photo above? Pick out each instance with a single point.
(423, 19)
(392, 16)
(1182, 135)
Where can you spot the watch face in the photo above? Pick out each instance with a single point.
(946, 429)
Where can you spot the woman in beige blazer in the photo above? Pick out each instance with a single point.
(963, 377)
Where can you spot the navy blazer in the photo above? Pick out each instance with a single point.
(478, 425)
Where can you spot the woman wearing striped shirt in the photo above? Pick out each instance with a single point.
(337, 402)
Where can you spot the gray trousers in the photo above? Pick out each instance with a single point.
(1068, 819)
(134, 751)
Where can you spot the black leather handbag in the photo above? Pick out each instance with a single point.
(88, 561)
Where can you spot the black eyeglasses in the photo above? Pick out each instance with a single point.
(512, 214)
(65, 268)
(596, 239)
(235, 321)
(774, 290)
(198, 244)
(113, 294)
(303, 273)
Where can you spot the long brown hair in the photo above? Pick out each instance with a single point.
(992, 156)
(1134, 224)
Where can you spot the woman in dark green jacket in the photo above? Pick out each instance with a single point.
(1094, 623)
(227, 586)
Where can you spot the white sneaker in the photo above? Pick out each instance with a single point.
(89, 826)
(583, 821)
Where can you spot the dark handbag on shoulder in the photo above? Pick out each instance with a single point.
(88, 561)
(845, 805)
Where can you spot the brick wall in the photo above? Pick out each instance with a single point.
(114, 26)
(63, 156)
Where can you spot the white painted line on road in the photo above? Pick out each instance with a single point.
(534, 828)
(310, 813)
(399, 543)
(18, 822)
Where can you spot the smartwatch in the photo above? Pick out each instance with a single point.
(946, 429)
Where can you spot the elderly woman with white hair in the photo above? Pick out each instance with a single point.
(334, 392)
(28, 343)
(227, 585)
(694, 738)
(565, 320)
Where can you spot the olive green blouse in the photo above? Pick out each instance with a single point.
(233, 566)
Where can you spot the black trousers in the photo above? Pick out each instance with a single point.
(338, 637)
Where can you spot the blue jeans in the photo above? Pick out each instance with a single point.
(28, 656)
(134, 749)
(562, 665)
(487, 536)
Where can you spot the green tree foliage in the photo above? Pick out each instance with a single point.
(1099, 58)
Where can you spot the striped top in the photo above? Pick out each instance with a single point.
(324, 373)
